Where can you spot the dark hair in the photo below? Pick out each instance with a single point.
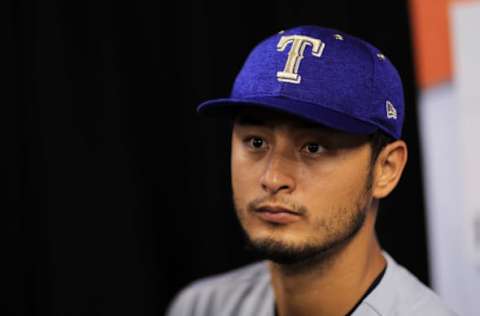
(378, 141)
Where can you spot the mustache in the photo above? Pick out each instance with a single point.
(253, 205)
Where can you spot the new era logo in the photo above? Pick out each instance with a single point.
(391, 110)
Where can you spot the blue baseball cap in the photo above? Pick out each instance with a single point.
(320, 75)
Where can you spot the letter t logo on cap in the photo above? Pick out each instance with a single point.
(295, 56)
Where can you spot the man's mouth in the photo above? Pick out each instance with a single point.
(277, 214)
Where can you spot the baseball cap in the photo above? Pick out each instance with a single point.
(321, 75)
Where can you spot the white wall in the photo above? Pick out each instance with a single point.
(450, 134)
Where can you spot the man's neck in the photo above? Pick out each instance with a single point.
(331, 286)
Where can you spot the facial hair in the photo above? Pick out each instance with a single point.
(339, 230)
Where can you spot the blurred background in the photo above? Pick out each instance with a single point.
(118, 194)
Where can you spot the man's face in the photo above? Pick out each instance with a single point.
(299, 190)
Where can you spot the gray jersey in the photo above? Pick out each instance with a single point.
(247, 291)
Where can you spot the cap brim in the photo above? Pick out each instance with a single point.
(304, 110)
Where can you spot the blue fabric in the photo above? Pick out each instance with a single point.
(347, 87)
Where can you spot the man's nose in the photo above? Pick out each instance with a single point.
(277, 175)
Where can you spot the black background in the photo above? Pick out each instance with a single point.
(117, 193)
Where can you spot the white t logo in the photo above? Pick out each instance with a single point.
(295, 56)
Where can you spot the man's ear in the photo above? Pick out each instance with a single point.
(388, 168)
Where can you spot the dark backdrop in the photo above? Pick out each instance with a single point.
(117, 194)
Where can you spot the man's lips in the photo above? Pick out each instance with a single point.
(275, 209)
(277, 214)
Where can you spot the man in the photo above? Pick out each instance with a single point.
(317, 118)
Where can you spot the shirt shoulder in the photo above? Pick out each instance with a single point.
(401, 293)
(243, 291)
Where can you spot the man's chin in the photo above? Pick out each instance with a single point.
(282, 253)
(291, 247)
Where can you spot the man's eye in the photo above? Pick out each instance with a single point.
(255, 142)
(314, 148)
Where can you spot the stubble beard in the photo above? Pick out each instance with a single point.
(337, 233)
